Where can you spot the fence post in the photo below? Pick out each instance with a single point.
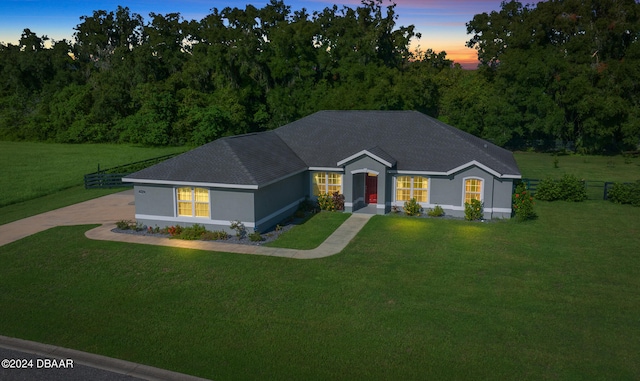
(606, 190)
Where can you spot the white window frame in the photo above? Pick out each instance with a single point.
(326, 182)
(464, 188)
(193, 203)
(411, 188)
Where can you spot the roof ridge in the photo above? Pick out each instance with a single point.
(243, 135)
(288, 146)
(237, 159)
(458, 132)
(292, 149)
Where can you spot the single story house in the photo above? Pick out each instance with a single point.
(376, 159)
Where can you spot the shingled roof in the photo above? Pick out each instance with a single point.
(407, 140)
(249, 161)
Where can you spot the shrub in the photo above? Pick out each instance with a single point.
(548, 190)
(338, 201)
(622, 193)
(436, 212)
(239, 227)
(174, 231)
(412, 208)
(473, 210)
(331, 202)
(215, 235)
(123, 224)
(572, 189)
(568, 188)
(325, 202)
(192, 232)
(255, 237)
(306, 206)
(523, 203)
(130, 225)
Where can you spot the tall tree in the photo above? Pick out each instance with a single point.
(172, 81)
(105, 35)
(560, 62)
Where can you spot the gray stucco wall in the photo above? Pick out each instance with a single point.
(388, 191)
(357, 194)
(156, 206)
(154, 200)
(231, 205)
(443, 190)
(353, 193)
(264, 208)
(448, 192)
(280, 200)
(502, 193)
(258, 209)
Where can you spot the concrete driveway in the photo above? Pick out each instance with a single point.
(107, 210)
(103, 210)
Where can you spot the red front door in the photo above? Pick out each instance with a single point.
(371, 190)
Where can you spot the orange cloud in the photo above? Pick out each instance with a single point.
(467, 58)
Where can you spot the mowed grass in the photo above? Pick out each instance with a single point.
(408, 299)
(590, 168)
(38, 177)
(32, 170)
(555, 298)
(312, 232)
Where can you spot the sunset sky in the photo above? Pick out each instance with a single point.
(441, 23)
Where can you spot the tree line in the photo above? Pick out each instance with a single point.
(563, 71)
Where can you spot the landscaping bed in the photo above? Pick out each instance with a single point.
(306, 229)
(254, 239)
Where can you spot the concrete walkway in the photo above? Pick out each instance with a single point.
(332, 245)
(108, 209)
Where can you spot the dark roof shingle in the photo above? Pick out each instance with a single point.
(410, 140)
(252, 159)
(416, 141)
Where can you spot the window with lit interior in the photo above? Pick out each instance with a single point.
(193, 202)
(472, 190)
(326, 182)
(408, 187)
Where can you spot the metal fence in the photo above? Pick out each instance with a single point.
(112, 177)
(596, 190)
(105, 180)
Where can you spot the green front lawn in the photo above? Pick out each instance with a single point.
(312, 232)
(409, 298)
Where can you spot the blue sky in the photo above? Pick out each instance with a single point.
(441, 23)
